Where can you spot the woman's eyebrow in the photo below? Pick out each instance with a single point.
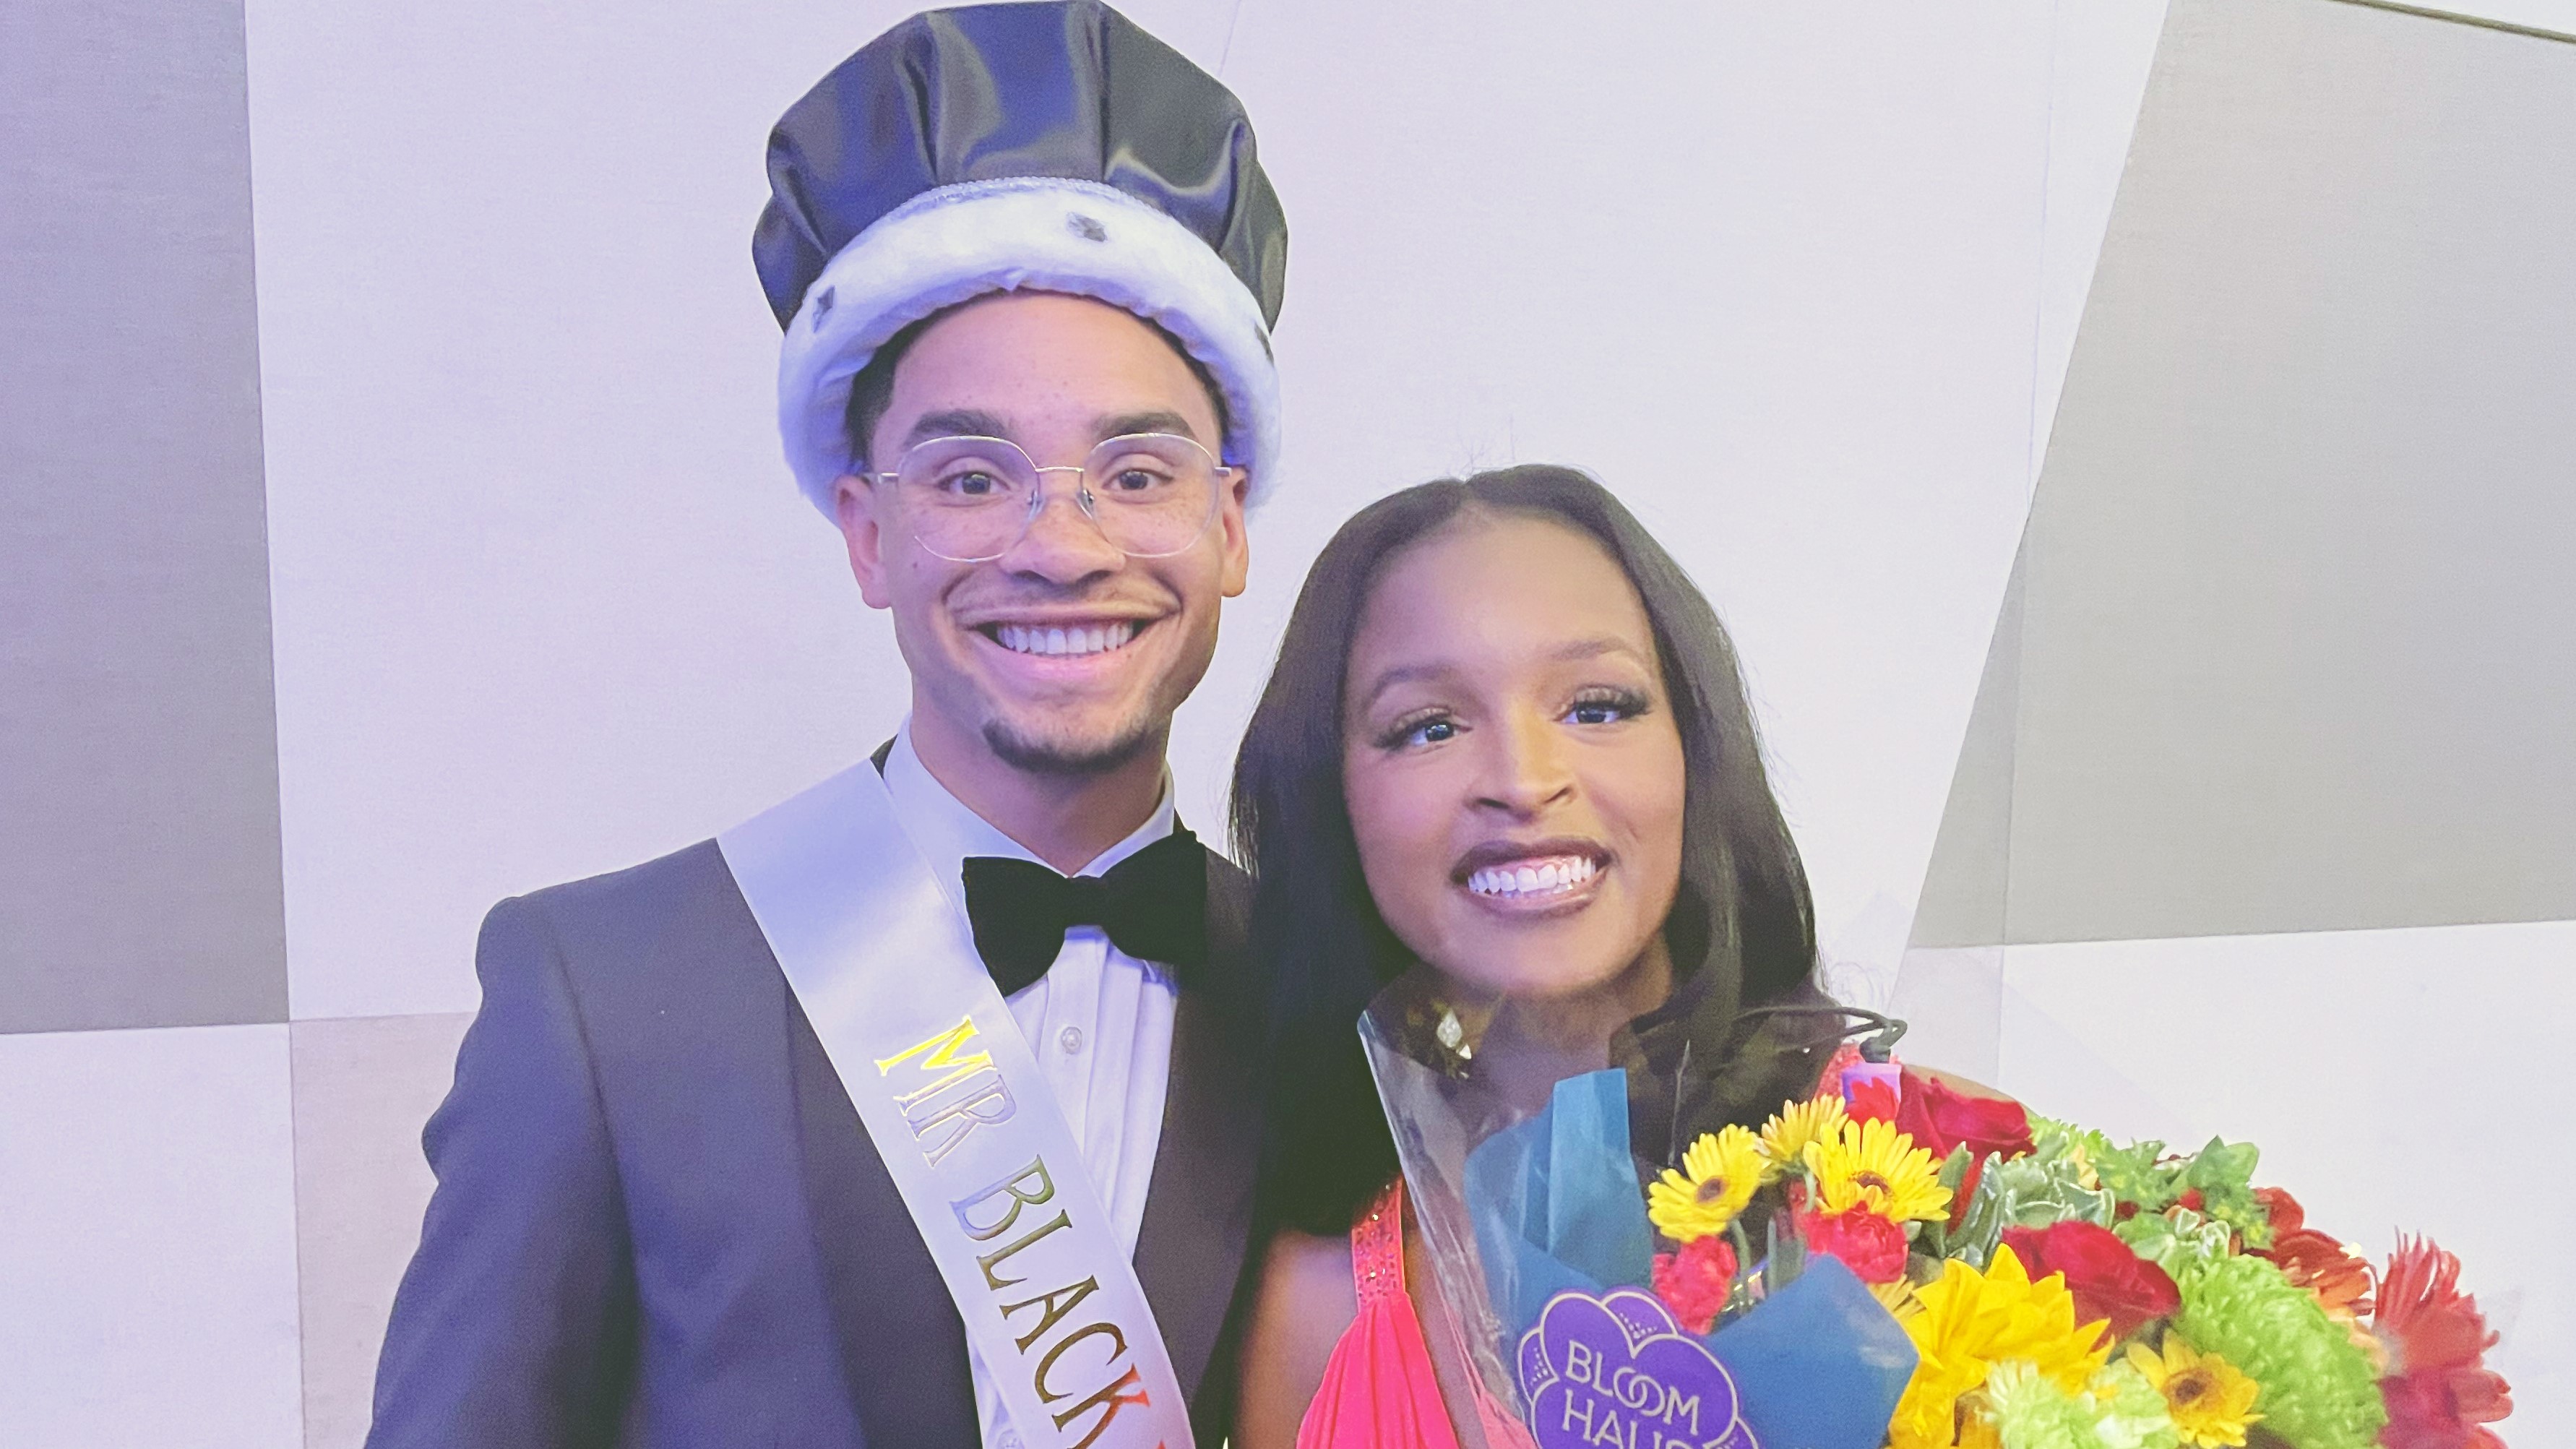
(1402, 674)
(1594, 648)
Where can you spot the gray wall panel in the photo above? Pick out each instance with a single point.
(1970, 876)
(139, 879)
(2298, 640)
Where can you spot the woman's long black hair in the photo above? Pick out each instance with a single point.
(1742, 931)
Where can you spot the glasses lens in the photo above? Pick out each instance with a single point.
(1153, 492)
(967, 498)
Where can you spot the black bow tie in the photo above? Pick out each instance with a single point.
(1153, 904)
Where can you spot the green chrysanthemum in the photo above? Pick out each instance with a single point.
(2319, 1391)
(2119, 1409)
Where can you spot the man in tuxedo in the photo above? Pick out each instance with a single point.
(1026, 261)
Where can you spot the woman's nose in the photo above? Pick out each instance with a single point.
(1526, 766)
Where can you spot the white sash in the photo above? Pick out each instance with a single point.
(887, 972)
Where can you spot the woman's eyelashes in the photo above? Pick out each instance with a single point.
(1419, 728)
(1606, 706)
(1600, 705)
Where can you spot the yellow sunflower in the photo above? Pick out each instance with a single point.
(1872, 1164)
(1897, 1298)
(2210, 1399)
(1718, 1177)
(1786, 1135)
(1969, 1322)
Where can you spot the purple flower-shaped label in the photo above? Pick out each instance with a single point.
(1617, 1370)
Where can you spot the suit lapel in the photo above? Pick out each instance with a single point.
(1191, 1250)
(903, 1346)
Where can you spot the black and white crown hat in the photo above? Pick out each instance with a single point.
(1052, 147)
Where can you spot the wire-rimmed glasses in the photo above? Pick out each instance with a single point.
(970, 499)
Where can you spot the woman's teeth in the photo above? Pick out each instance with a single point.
(1533, 877)
(1097, 639)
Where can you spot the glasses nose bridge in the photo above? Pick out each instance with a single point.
(1082, 498)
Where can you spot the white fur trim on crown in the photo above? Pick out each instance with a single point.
(1042, 234)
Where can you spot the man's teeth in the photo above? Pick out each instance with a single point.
(1095, 639)
(1533, 877)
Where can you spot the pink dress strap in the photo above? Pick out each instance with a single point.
(1379, 1391)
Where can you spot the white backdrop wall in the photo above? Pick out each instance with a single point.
(1800, 283)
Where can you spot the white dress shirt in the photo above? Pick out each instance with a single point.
(1099, 1021)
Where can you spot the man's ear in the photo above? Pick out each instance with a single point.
(854, 502)
(1233, 537)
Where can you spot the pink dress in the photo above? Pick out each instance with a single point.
(1379, 1392)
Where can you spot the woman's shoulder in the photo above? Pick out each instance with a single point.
(1310, 1264)
(1306, 1302)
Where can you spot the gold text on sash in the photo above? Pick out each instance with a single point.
(1073, 1355)
(952, 1091)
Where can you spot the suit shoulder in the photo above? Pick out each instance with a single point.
(673, 897)
(650, 890)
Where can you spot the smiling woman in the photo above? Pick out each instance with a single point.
(1505, 739)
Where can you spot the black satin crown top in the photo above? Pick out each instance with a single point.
(984, 92)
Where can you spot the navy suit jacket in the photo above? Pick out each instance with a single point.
(659, 1221)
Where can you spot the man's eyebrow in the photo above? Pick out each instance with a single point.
(1159, 420)
(957, 423)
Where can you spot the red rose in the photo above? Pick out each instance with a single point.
(1942, 1119)
(1871, 1246)
(1694, 1283)
(2107, 1279)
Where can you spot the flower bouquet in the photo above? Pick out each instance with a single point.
(1890, 1259)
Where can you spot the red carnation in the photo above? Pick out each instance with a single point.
(1871, 1246)
(2107, 1279)
(1942, 1119)
(2439, 1390)
(1870, 1100)
(1694, 1283)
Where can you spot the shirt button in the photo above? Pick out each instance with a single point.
(1070, 1039)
